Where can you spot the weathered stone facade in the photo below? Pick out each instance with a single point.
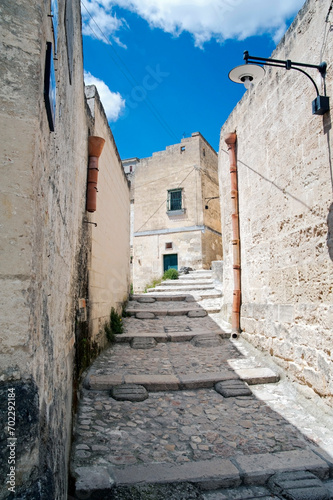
(46, 242)
(285, 206)
(188, 230)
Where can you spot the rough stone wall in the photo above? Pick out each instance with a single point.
(109, 272)
(185, 166)
(43, 202)
(211, 236)
(285, 206)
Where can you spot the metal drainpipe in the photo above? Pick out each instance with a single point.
(231, 140)
(95, 148)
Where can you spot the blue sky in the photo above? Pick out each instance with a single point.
(161, 66)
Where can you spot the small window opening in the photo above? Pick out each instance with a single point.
(204, 152)
(168, 245)
(174, 200)
(182, 149)
(131, 168)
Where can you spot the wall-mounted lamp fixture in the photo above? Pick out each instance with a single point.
(248, 74)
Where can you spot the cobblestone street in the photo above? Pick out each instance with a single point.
(188, 432)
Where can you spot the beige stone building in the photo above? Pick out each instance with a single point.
(59, 274)
(285, 207)
(171, 226)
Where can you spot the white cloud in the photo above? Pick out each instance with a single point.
(113, 103)
(99, 22)
(219, 19)
(206, 19)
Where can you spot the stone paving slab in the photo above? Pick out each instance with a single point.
(163, 382)
(254, 376)
(169, 336)
(151, 313)
(258, 471)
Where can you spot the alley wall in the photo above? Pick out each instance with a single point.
(109, 271)
(59, 274)
(285, 178)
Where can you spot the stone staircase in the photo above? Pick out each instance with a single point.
(169, 413)
(198, 286)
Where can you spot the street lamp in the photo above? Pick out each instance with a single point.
(248, 74)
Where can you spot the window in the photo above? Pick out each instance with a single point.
(182, 149)
(168, 245)
(175, 200)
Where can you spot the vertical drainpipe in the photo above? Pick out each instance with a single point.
(95, 148)
(231, 140)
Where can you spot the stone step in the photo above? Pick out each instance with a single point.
(180, 336)
(193, 479)
(180, 288)
(149, 299)
(187, 282)
(156, 313)
(153, 383)
(192, 277)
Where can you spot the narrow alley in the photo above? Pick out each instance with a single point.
(176, 410)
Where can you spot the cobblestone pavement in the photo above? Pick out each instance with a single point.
(196, 441)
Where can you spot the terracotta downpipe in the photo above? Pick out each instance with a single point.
(95, 148)
(230, 140)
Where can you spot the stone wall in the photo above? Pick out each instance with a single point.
(193, 234)
(285, 206)
(44, 244)
(109, 275)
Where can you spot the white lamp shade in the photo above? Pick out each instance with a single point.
(252, 72)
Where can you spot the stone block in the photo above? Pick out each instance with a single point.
(129, 392)
(145, 300)
(257, 375)
(258, 468)
(197, 313)
(201, 380)
(102, 382)
(208, 474)
(233, 388)
(154, 383)
(94, 479)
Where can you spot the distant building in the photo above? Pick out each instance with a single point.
(170, 225)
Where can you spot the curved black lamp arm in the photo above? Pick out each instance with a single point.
(288, 64)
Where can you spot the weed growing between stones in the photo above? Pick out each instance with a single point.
(170, 274)
(114, 326)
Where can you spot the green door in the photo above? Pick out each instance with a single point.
(170, 261)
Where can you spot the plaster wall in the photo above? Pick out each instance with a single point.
(109, 272)
(285, 206)
(42, 197)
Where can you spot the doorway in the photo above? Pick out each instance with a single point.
(170, 261)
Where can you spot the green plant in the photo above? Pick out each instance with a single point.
(170, 274)
(114, 326)
(116, 322)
